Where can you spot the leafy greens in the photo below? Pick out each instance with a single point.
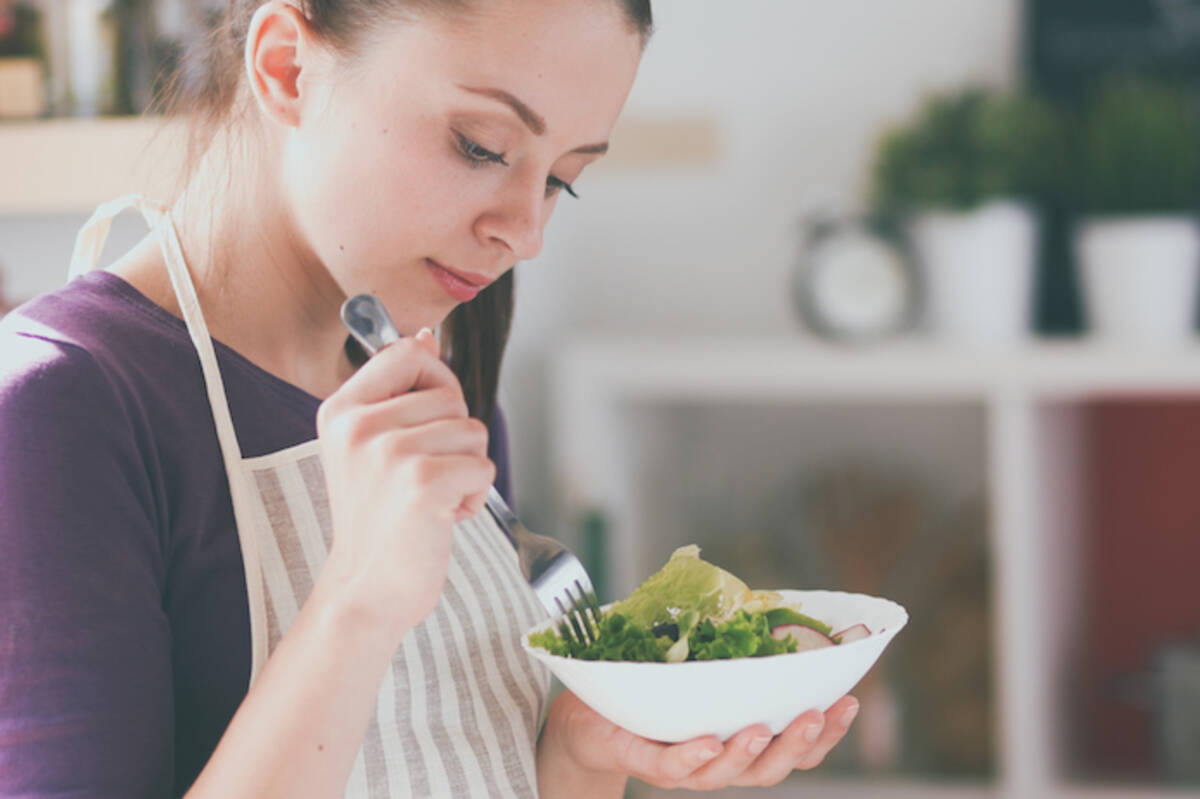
(744, 635)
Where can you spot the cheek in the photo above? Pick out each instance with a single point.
(378, 189)
(383, 184)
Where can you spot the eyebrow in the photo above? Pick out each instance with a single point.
(532, 120)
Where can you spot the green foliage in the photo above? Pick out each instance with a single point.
(1139, 150)
(744, 635)
(618, 639)
(967, 148)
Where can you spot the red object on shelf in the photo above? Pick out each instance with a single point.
(1143, 580)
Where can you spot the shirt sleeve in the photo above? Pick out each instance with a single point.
(85, 666)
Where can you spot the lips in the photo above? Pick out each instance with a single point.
(462, 286)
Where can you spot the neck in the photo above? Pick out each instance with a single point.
(263, 292)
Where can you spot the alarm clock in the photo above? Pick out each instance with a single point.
(855, 280)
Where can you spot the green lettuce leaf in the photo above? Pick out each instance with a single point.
(744, 635)
(618, 639)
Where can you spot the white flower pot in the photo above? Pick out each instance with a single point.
(1138, 277)
(978, 268)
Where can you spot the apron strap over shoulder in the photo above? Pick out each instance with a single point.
(241, 492)
(89, 245)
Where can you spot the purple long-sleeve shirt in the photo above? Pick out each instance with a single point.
(124, 630)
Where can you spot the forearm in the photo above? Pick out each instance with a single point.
(299, 729)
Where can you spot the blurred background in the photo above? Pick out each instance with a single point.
(887, 297)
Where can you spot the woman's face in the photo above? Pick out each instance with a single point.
(430, 162)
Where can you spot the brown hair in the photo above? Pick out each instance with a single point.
(475, 333)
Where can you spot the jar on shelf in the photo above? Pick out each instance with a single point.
(22, 65)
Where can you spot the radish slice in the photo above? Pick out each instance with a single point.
(806, 637)
(855, 633)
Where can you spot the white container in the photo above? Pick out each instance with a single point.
(680, 701)
(22, 95)
(978, 269)
(1138, 277)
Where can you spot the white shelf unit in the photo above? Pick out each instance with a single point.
(1032, 400)
(71, 165)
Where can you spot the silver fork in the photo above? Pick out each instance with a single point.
(558, 578)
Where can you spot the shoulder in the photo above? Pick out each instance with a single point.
(71, 348)
(76, 398)
(65, 407)
(97, 313)
(40, 370)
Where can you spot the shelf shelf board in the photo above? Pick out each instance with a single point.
(70, 165)
(791, 367)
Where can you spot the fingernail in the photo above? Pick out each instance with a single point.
(425, 331)
(757, 745)
(848, 716)
(813, 732)
(705, 755)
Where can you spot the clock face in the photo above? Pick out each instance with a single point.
(855, 285)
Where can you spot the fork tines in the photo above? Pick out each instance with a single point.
(580, 605)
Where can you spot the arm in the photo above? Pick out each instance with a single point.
(85, 649)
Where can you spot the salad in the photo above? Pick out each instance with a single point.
(693, 610)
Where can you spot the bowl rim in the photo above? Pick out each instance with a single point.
(884, 635)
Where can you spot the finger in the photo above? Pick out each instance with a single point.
(838, 719)
(740, 751)
(426, 338)
(412, 412)
(415, 408)
(472, 506)
(439, 437)
(399, 368)
(443, 482)
(665, 765)
(789, 747)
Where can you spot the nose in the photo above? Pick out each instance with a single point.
(516, 219)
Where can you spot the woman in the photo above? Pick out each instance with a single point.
(236, 561)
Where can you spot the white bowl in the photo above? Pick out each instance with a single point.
(679, 701)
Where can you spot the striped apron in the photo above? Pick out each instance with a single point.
(459, 709)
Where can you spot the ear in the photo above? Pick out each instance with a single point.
(277, 46)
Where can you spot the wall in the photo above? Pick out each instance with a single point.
(797, 93)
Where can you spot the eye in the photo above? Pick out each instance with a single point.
(476, 153)
(554, 185)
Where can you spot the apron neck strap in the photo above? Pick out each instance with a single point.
(90, 241)
(89, 244)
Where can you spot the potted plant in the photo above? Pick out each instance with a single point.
(966, 175)
(1137, 242)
